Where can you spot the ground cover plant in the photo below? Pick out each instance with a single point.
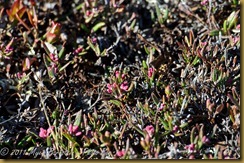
(120, 79)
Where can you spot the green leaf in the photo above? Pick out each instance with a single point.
(156, 135)
(178, 134)
(78, 118)
(83, 26)
(215, 32)
(225, 27)
(77, 153)
(97, 50)
(63, 67)
(199, 143)
(80, 6)
(166, 133)
(116, 102)
(158, 12)
(201, 132)
(184, 125)
(214, 75)
(155, 99)
(235, 2)
(97, 26)
(144, 64)
(139, 105)
(95, 47)
(49, 141)
(192, 134)
(166, 14)
(55, 114)
(214, 130)
(232, 19)
(146, 50)
(61, 52)
(23, 142)
(132, 25)
(70, 138)
(165, 124)
(195, 61)
(138, 129)
(89, 42)
(196, 140)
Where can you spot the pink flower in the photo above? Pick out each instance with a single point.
(54, 57)
(110, 87)
(88, 13)
(8, 49)
(204, 2)
(78, 50)
(124, 86)
(162, 106)
(235, 39)
(150, 130)
(74, 130)
(204, 43)
(150, 72)
(53, 67)
(45, 133)
(191, 157)
(117, 75)
(238, 26)
(20, 75)
(120, 153)
(205, 140)
(175, 128)
(190, 147)
(94, 40)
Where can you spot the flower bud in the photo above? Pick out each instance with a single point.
(53, 34)
(167, 91)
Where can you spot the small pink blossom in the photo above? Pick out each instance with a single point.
(117, 73)
(120, 153)
(74, 130)
(8, 49)
(53, 67)
(150, 130)
(124, 86)
(205, 140)
(175, 128)
(238, 26)
(20, 75)
(204, 2)
(150, 72)
(110, 87)
(236, 39)
(78, 50)
(191, 156)
(94, 40)
(162, 106)
(45, 133)
(190, 147)
(54, 57)
(204, 43)
(88, 12)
